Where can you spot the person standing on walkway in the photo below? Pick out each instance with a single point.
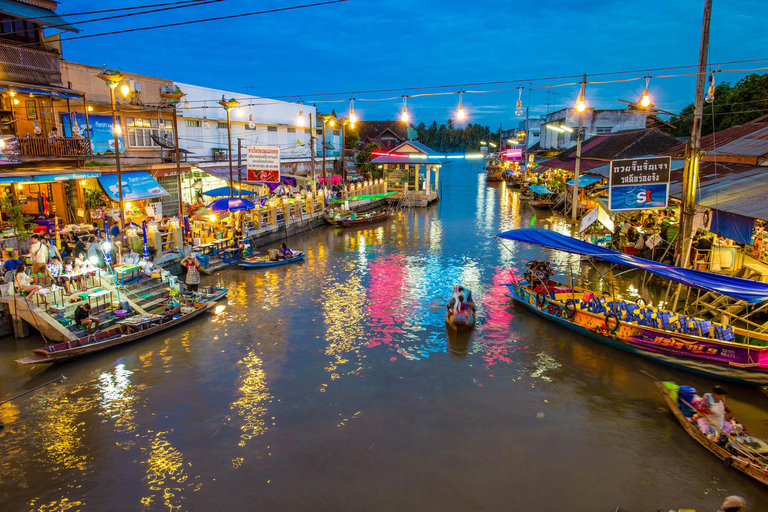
(192, 265)
(39, 254)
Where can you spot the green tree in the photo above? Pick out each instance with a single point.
(363, 160)
(15, 217)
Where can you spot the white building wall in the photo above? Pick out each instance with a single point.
(272, 121)
(596, 122)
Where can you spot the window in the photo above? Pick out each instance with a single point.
(336, 133)
(271, 128)
(271, 134)
(194, 132)
(603, 129)
(222, 125)
(140, 132)
(291, 130)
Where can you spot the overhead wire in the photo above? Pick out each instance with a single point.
(116, 9)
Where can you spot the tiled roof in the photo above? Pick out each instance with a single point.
(373, 129)
(629, 144)
(718, 139)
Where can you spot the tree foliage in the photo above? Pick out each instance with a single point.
(14, 216)
(447, 138)
(363, 160)
(733, 105)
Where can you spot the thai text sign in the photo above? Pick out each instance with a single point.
(639, 183)
(263, 163)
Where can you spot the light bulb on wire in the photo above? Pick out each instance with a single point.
(352, 116)
(645, 99)
(251, 122)
(710, 97)
(519, 104)
(300, 119)
(404, 117)
(125, 90)
(460, 114)
(581, 105)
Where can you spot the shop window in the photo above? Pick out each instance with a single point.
(222, 125)
(140, 132)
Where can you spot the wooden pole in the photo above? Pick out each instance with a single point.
(312, 154)
(117, 156)
(575, 197)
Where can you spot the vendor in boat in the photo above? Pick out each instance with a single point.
(712, 411)
(285, 252)
(84, 319)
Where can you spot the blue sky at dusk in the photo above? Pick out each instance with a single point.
(364, 45)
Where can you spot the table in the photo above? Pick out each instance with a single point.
(220, 245)
(127, 273)
(205, 249)
(759, 269)
(97, 295)
(230, 255)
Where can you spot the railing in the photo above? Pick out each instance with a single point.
(57, 146)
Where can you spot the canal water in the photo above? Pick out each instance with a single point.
(332, 384)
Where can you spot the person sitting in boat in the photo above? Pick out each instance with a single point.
(712, 411)
(83, 318)
(285, 252)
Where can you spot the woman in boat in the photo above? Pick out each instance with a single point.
(712, 407)
(285, 252)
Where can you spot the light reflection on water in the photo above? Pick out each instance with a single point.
(311, 382)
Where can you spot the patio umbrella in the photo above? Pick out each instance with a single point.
(230, 204)
(225, 192)
(144, 230)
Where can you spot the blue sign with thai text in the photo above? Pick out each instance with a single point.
(639, 183)
(99, 129)
(137, 185)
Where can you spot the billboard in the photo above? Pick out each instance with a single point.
(639, 183)
(263, 163)
(99, 129)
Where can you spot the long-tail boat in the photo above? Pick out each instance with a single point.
(131, 329)
(721, 350)
(742, 452)
(540, 196)
(265, 261)
(359, 219)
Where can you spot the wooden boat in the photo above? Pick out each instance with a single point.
(362, 219)
(750, 463)
(264, 262)
(460, 322)
(494, 173)
(540, 196)
(212, 294)
(113, 337)
(687, 342)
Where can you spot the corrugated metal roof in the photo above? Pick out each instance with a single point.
(754, 144)
(37, 14)
(717, 139)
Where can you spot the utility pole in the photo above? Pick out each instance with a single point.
(239, 168)
(693, 153)
(312, 152)
(178, 168)
(575, 198)
(325, 181)
(525, 144)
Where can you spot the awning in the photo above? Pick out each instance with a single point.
(742, 289)
(226, 191)
(137, 185)
(39, 15)
(585, 181)
(44, 177)
(56, 93)
(540, 190)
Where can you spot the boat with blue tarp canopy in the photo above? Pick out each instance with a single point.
(585, 181)
(701, 344)
(540, 190)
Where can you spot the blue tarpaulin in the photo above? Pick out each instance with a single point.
(585, 181)
(733, 226)
(742, 289)
(137, 185)
(225, 192)
(540, 190)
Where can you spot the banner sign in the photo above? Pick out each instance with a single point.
(99, 129)
(263, 163)
(639, 184)
(137, 185)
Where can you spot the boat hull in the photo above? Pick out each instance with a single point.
(91, 348)
(681, 351)
(541, 203)
(268, 264)
(460, 323)
(348, 223)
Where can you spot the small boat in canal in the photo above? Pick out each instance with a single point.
(540, 196)
(212, 294)
(267, 261)
(463, 320)
(689, 342)
(133, 328)
(516, 179)
(745, 453)
(355, 219)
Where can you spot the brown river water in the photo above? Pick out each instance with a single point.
(332, 384)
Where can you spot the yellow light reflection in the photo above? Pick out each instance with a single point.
(166, 475)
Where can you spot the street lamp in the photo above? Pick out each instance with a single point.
(113, 79)
(228, 106)
(581, 106)
(173, 97)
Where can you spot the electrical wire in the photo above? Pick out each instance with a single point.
(204, 20)
(77, 24)
(116, 9)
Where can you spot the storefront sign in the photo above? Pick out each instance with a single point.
(137, 185)
(99, 128)
(639, 184)
(263, 163)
